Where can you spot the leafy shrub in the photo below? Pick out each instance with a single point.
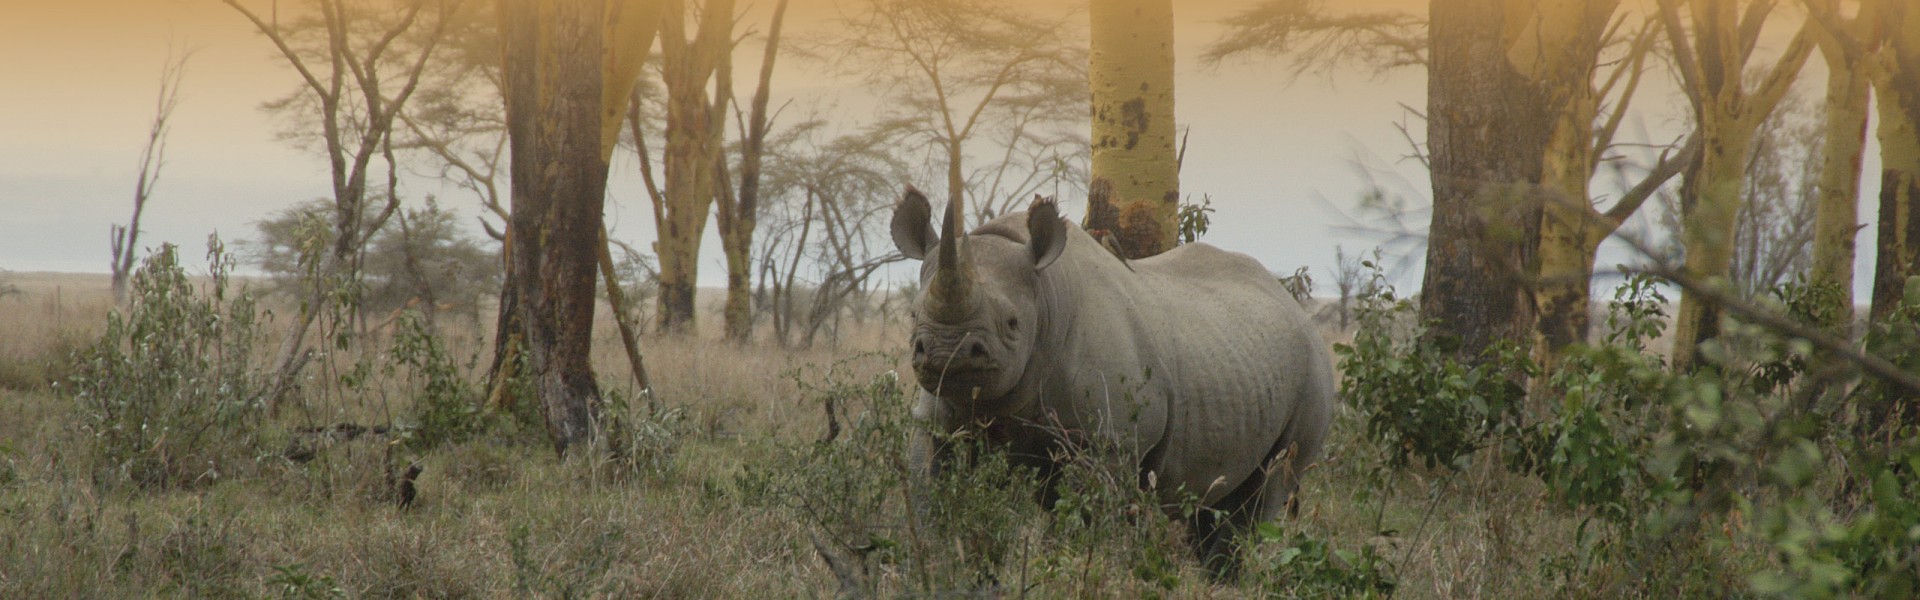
(1195, 219)
(1865, 540)
(897, 509)
(1420, 400)
(1590, 448)
(1658, 456)
(293, 582)
(641, 440)
(865, 498)
(170, 395)
(1299, 285)
(446, 406)
(1304, 567)
(1103, 512)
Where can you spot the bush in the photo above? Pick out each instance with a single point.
(641, 441)
(1304, 567)
(446, 406)
(1591, 447)
(863, 499)
(421, 257)
(1856, 534)
(1420, 401)
(1672, 464)
(170, 395)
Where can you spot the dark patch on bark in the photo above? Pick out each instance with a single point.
(1135, 229)
(676, 307)
(1565, 320)
(1134, 117)
(1102, 215)
(1141, 232)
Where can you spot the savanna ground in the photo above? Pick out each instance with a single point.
(724, 490)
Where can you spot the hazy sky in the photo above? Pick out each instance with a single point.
(1276, 154)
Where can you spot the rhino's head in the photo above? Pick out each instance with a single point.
(975, 320)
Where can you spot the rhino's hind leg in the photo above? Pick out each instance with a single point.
(1218, 529)
(1218, 533)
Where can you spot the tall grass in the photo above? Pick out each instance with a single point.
(732, 486)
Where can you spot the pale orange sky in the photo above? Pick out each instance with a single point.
(80, 78)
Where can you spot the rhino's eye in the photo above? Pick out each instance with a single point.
(1013, 323)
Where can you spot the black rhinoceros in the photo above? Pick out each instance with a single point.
(1196, 362)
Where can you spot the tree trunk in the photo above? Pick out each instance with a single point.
(1727, 112)
(739, 216)
(1707, 229)
(553, 79)
(1837, 212)
(1487, 135)
(1134, 194)
(1558, 49)
(692, 146)
(1898, 95)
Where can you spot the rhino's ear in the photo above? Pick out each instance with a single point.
(913, 226)
(1046, 232)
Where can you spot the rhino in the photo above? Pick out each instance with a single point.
(1197, 363)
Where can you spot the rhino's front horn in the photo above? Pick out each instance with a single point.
(952, 276)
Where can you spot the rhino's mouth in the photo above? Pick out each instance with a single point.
(955, 372)
(956, 381)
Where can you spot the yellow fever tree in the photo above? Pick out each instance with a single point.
(559, 59)
(1712, 42)
(1134, 192)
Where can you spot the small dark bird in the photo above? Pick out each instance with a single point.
(407, 489)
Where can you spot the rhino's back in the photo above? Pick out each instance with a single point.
(1238, 361)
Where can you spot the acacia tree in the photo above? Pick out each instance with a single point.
(1568, 43)
(738, 214)
(1518, 125)
(455, 122)
(1844, 144)
(1134, 190)
(347, 55)
(1895, 69)
(1488, 126)
(1774, 238)
(124, 240)
(827, 224)
(694, 146)
(955, 69)
(1711, 47)
(559, 59)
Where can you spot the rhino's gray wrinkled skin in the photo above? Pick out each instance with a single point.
(1196, 361)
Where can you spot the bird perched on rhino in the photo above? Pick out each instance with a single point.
(1195, 361)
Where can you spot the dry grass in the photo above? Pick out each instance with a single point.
(500, 516)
